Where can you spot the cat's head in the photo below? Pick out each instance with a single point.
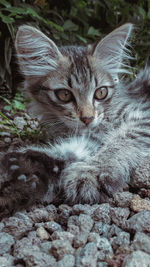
(71, 85)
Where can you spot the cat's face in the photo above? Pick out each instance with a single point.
(71, 85)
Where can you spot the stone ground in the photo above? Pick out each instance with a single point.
(111, 234)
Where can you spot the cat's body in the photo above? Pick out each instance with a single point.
(103, 125)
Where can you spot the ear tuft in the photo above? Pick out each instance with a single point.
(37, 54)
(112, 50)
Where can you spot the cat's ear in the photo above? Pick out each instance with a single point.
(36, 53)
(112, 51)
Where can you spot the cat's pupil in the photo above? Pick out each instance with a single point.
(101, 93)
(64, 95)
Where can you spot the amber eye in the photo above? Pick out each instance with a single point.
(64, 95)
(101, 93)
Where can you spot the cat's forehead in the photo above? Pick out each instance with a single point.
(83, 68)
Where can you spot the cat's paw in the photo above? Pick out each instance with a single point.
(111, 179)
(29, 174)
(79, 184)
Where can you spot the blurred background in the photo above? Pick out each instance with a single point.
(70, 21)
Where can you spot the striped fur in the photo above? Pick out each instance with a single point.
(98, 158)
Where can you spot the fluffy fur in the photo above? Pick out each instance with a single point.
(101, 141)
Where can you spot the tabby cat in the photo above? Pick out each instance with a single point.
(101, 126)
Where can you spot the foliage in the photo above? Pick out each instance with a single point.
(75, 21)
(10, 109)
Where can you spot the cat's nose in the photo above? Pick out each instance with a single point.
(87, 120)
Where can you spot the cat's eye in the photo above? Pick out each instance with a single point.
(101, 93)
(64, 95)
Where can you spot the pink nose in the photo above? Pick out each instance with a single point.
(87, 120)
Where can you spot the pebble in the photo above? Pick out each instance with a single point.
(62, 235)
(141, 241)
(101, 228)
(20, 122)
(137, 258)
(87, 256)
(42, 233)
(61, 247)
(83, 221)
(138, 204)
(17, 227)
(104, 248)
(7, 260)
(7, 139)
(122, 239)
(6, 242)
(139, 222)
(80, 239)
(102, 213)
(123, 199)
(66, 261)
(52, 227)
(119, 216)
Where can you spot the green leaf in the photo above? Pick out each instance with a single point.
(93, 32)
(81, 38)
(70, 26)
(5, 3)
(6, 19)
(18, 105)
(8, 108)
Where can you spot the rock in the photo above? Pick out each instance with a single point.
(93, 237)
(73, 229)
(1, 226)
(102, 213)
(114, 230)
(101, 228)
(87, 256)
(83, 221)
(6, 242)
(39, 215)
(42, 233)
(46, 247)
(6, 261)
(30, 254)
(122, 239)
(123, 199)
(7, 139)
(104, 249)
(102, 264)
(81, 209)
(80, 239)
(60, 248)
(64, 235)
(20, 122)
(66, 261)
(139, 222)
(137, 258)
(52, 227)
(141, 241)
(138, 204)
(17, 227)
(119, 215)
(64, 213)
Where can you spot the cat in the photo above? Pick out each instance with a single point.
(100, 125)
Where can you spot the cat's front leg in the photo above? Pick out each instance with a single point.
(28, 173)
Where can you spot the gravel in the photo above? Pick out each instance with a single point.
(99, 236)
